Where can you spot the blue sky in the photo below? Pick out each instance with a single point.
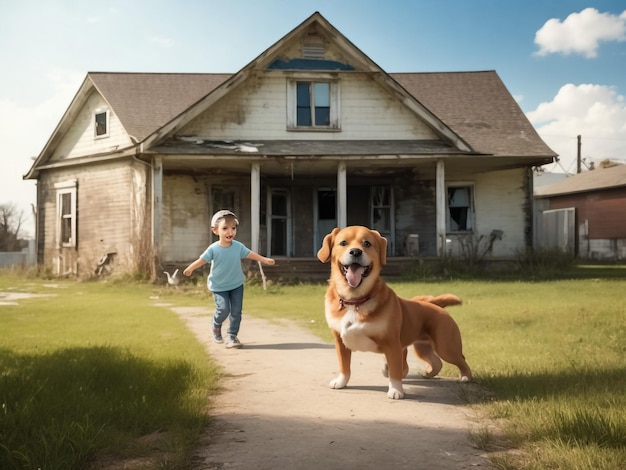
(563, 61)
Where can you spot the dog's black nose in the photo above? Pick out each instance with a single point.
(356, 252)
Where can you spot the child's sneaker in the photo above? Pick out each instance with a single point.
(217, 335)
(233, 342)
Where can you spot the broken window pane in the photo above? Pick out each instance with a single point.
(460, 212)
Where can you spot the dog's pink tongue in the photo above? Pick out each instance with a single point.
(354, 274)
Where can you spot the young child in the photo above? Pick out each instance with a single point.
(226, 277)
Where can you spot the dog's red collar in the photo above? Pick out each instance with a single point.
(355, 302)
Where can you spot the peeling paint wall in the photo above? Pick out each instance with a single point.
(256, 110)
(501, 202)
(80, 138)
(187, 211)
(103, 218)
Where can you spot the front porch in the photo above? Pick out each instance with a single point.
(290, 270)
(306, 269)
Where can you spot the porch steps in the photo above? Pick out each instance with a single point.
(294, 270)
(291, 270)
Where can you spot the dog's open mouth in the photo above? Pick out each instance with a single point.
(355, 273)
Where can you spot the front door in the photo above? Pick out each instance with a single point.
(278, 222)
(381, 204)
(326, 214)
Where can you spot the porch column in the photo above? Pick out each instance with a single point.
(342, 211)
(255, 205)
(440, 201)
(157, 202)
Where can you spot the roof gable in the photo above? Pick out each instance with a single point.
(472, 111)
(287, 52)
(143, 102)
(147, 101)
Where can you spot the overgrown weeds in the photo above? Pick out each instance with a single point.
(544, 264)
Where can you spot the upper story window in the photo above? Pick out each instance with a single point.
(460, 216)
(101, 124)
(313, 105)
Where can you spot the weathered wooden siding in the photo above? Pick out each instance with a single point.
(415, 213)
(80, 139)
(186, 215)
(500, 203)
(185, 219)
(257, 110)
(105, 208)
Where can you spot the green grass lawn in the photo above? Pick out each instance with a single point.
(95, 372)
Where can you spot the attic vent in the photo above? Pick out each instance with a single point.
(313, 47)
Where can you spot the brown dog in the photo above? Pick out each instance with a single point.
(364, 314)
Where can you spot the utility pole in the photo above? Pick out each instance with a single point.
(578, 157)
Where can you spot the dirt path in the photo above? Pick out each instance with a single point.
(277, 411)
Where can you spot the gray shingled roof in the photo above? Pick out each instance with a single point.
(479, 108)
(475, 105)
(600, 178)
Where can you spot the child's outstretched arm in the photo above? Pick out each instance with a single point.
(261, 259)
(193, 266)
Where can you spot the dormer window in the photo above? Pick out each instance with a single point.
(101, 123)
(313, 105)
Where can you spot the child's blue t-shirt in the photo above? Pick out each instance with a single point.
(226, 273)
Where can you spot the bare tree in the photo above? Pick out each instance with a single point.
(11, 220)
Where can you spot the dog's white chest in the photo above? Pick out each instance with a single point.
(355, 333)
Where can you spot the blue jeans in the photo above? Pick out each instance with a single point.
(228, 303)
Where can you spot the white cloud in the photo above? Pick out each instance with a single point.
(580, 33)
(597, 113)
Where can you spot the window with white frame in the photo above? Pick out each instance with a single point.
(460, 214)
(101, 123)
(313, 105)
(66, 213)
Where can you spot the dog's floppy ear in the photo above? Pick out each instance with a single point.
(327, 245)
(382, 247)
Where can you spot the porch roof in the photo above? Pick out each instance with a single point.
(195, 145)
(313, 157)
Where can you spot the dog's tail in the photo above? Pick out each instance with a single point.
(443, 301)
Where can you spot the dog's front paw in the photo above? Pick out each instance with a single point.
(340, 382)
(395, 391)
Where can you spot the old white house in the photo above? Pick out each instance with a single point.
(309, 135)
